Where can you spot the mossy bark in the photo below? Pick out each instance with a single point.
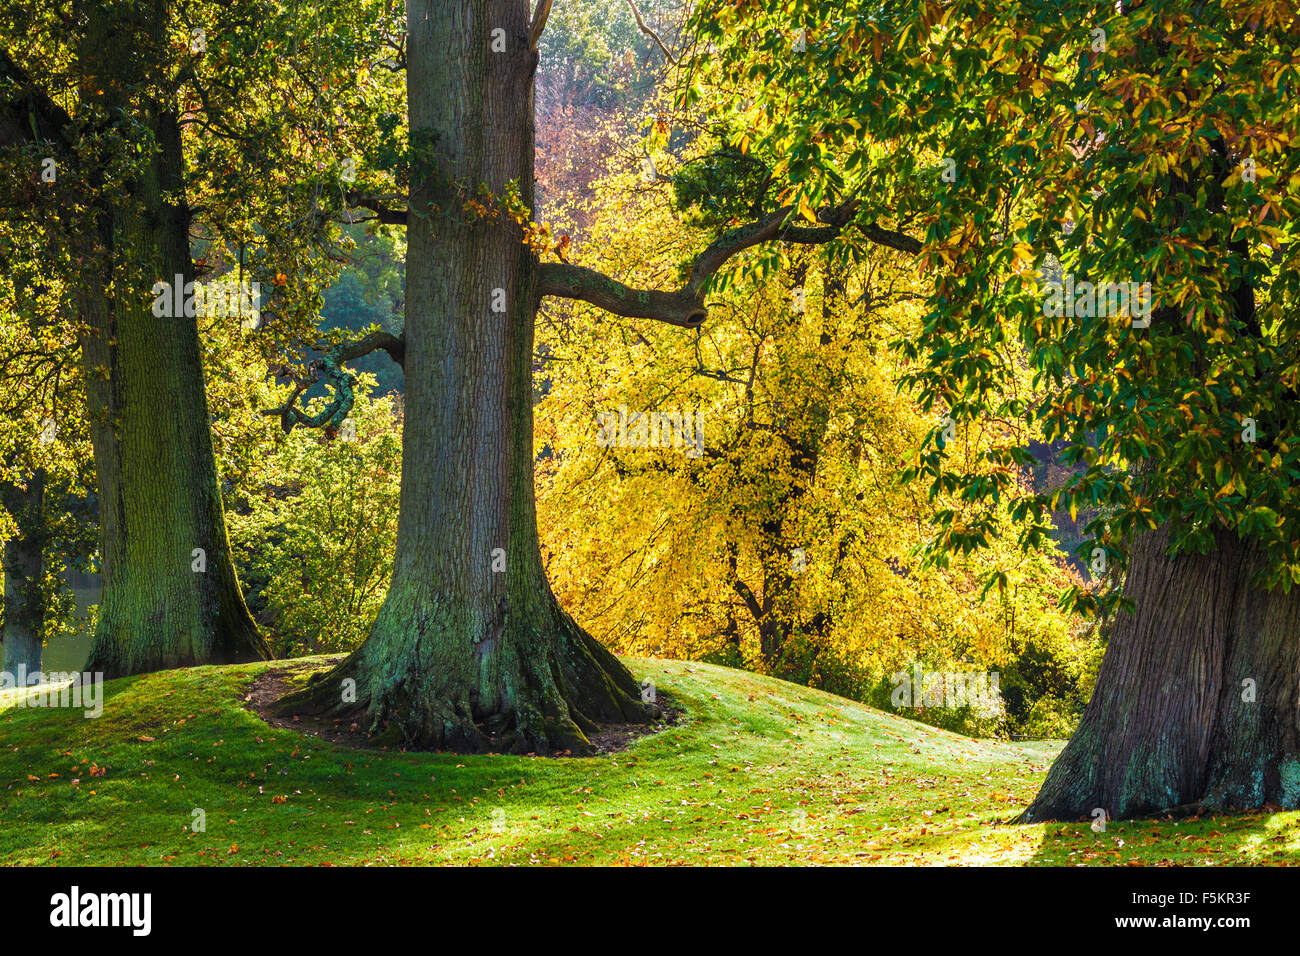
(471, 650)
(171, 597)
(1196, 700)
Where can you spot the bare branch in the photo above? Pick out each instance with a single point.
(650, 33)
(379, 205)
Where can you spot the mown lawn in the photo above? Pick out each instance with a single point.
(758, 771)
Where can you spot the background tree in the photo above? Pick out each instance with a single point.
(597, 76)
(46, 474)
(785, 543)
(203, 142)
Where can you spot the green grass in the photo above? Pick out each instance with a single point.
(759, 771)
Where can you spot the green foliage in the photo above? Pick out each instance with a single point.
(44, 438)
(369, 292)
(313, 530)
(1046, 682)
(1146, 143)
(969, 719)
(721, 187)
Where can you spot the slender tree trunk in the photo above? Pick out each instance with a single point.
(1196, 701)
(471, 650)
(171, 597)
(24, 566)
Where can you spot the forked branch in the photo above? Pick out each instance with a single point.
(332, 416)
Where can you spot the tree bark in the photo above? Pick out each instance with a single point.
(1196, 700)
(171, 597)
(471, 651)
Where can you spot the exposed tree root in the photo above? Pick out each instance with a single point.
(521, 689)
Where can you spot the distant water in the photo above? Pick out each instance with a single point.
(63, 654)
(70, 653)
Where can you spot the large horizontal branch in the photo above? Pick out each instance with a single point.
(685, 307)
(27, 114)
(380, 206)
(394, 345)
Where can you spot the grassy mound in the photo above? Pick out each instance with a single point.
(757, 771)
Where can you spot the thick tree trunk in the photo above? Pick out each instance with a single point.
(1196, 701)
(24, 565)
(471, 651)
(171, 597)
